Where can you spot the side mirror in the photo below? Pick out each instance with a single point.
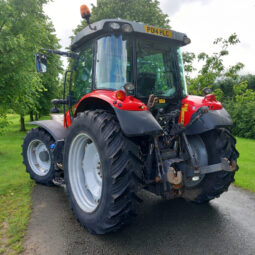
(41, 63)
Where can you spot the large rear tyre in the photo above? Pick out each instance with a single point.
(219, 144)
(101, 172)
(38, 157)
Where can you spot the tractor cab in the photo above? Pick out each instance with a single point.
(114, 53)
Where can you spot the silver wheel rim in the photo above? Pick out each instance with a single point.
(85, 174)
(39, 157)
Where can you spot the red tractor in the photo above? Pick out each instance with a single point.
(130, 125)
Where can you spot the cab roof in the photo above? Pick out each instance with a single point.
(102, 27)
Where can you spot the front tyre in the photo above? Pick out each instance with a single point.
(101, 172)
(38, 157)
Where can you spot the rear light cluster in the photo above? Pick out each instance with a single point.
(210, 97)
(127, 28)
(120, 95)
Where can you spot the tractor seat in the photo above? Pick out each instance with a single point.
(146, 83)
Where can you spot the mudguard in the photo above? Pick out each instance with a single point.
(53, 127)
(137, 123)
(133, 115)
(209, 121)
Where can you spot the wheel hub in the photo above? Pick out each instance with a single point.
(44, 156)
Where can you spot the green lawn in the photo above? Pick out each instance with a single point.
(15, 185)
(15, 188)
(245, 177)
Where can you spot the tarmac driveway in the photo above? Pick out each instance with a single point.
(224, 226)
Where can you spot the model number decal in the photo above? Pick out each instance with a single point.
(184, 109)
(158, 31)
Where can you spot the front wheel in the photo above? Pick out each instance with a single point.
(38, 157)
(101, 167)
(219, 144)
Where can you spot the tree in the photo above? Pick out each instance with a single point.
(236, 92)
(250, 81)
(50, 80)
(24, 29)
(213, 69)
(3, 122)
(146, 11)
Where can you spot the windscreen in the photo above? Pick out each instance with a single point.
(114, 62)
(157, 68)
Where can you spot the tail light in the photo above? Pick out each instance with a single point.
(120, 95)
(210, 97)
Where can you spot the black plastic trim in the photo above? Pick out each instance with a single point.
(137, 123)
(209, 121)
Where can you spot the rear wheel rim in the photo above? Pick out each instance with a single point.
(39, 157)
(85, 174)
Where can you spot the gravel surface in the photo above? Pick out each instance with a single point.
(224, 226)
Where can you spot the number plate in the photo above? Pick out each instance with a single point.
(158, 31)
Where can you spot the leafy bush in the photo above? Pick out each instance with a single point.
(243, 115)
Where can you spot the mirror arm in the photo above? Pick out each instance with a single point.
(61, 53)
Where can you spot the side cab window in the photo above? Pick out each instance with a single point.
(83, 73)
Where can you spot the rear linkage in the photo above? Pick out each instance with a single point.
(168, 172)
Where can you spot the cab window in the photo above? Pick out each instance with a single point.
(83, 73)
(156, 69)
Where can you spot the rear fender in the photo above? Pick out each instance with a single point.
(209, 121)
(137, 123)
(133, 115)
(216, 117)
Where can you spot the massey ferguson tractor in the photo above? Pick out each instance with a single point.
(129, 124)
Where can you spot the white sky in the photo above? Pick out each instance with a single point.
(202, 20)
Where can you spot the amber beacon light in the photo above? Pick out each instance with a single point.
(85, 12)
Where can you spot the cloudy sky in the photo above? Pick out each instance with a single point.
(202, 20)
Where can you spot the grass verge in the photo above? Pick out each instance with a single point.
(245, 176)
(15, 189)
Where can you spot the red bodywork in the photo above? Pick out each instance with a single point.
(130, 103)
(190, 104)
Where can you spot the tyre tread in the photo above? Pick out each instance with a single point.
(123, 171)
(220, 181)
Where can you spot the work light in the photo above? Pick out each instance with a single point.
(127, 28)
(115, 26)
